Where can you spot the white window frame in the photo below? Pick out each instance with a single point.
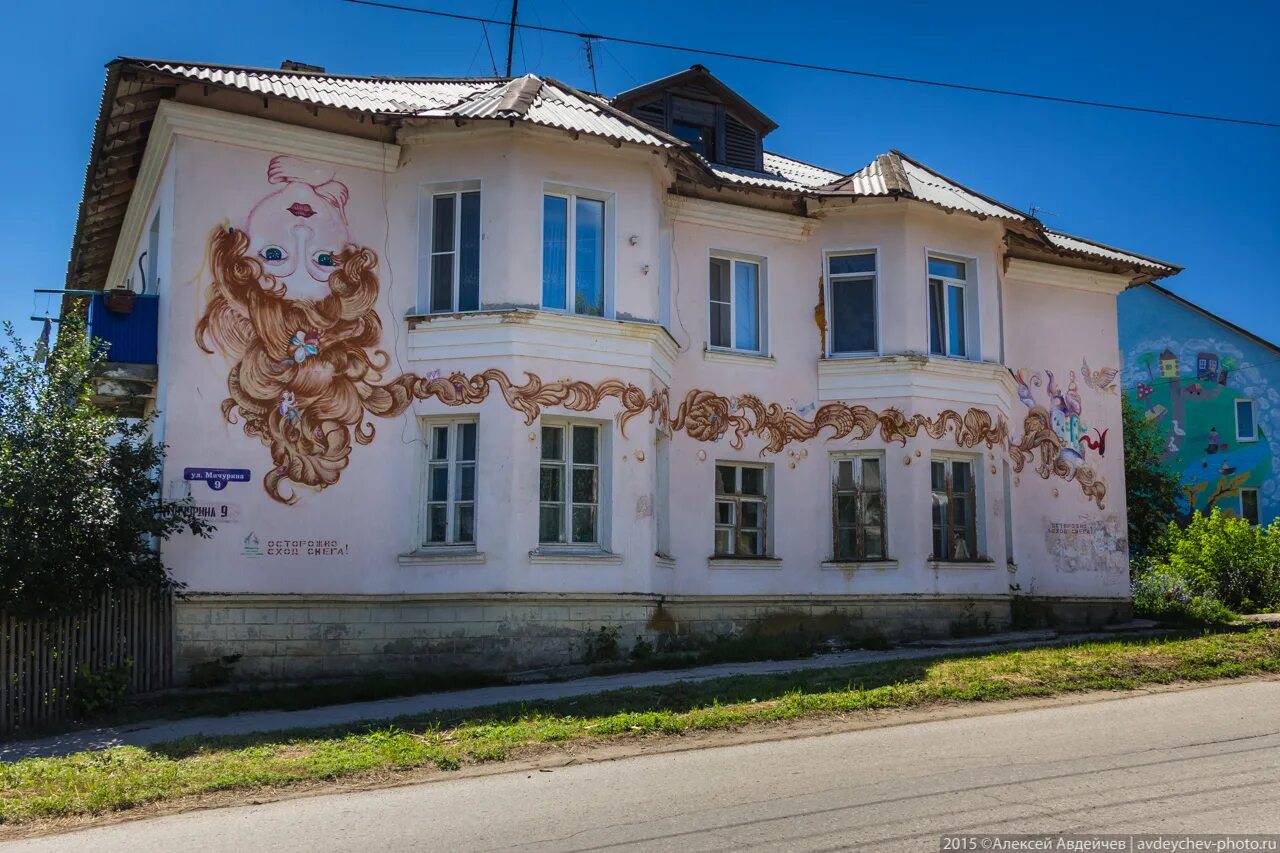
(970, 288)
(1235, 411)
(452, 463)
(829, 288)
(762, 301)
(571, 194)
(1257, 502)
(737, 499)
(427, 194)
(567, 465)
(979, 506)
(856, 456)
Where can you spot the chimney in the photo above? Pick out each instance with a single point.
(291, 65)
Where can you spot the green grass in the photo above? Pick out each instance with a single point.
(127, 777)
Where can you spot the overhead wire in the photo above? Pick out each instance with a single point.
(808, 66)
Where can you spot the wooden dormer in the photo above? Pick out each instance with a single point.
(694, 106)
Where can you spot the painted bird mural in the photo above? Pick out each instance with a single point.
(1103, 379)
(1099, 444)
(1025, 379)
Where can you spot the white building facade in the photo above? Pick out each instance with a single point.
(466, 370)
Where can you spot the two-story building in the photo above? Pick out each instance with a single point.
(466, 369)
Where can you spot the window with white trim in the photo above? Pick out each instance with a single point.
(955, 508)
(569, 484)
(851, 303)
(1246, 421)
(857, 506)
(948, 302)
(575, 252)
(449, 239)
(735, 312)
(741, 510)
(1250, 510)
(449, 517)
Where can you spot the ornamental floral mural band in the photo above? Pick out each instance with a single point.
(291, 306)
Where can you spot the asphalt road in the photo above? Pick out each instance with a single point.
(1197, 760)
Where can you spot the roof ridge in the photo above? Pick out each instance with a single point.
(290, 72)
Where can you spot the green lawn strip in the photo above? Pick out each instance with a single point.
(126, 777)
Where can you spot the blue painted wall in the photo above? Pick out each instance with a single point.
(1185, 370)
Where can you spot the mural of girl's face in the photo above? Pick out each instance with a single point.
(297, 233)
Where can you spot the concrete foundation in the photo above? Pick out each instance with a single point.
(282, 637)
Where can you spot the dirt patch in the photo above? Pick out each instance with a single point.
(548, 758)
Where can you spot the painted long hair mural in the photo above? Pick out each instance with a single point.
(292, 308)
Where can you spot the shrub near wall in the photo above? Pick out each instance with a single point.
(1216, 562)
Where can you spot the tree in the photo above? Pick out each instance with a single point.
(80, 509)
(1151, 489)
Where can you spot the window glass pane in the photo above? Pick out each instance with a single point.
(724, 512)
(752, 481)
(467, 442)
(442, 224)
(1244, 420)
(437, 516)
(937, 314)
(584, 524)
(719, 280)
(584, 445)
(552, 442)
(721, 317)
(847, 509)
(1249, 505)
(938, 479)
(551, 483)
(746, 292)
(853, 315)
(873, 544)
(440, 442)
(466, 483)
(438, 483)
(845, 264)
(872, 508)
(950, 269)
(724, 541)
(464, 523)
(752, 515)
(846, 544)
(442, 283)
(469, 260)
(551, 523)
(961, 479)
(844, 474)
(555, 250)
(871, 475)
(726, 480)
(588, 297)
(584, 485)
(749, 542)
(955, 321)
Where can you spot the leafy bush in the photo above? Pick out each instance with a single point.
(1161, 595)
(1151, 487)
(1228, 558)
(602, 646)
(99, 692)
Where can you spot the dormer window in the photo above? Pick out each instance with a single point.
(700, 136)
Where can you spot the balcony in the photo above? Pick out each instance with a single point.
(127, 329)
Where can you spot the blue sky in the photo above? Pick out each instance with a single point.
(1199, 194)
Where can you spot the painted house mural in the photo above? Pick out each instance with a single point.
(1214, 391)
(463, 384)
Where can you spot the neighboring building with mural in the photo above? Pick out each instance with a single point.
(1214, 390)
(465, 370)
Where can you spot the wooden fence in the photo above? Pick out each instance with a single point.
(39, 657)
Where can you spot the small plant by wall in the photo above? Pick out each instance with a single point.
(213, 673)
(98, 692)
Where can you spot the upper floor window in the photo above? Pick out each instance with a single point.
(451, 482)
(851, 301)
(741, 508)
(569, 484)
(948, 295)
(575, 230)
(1249, 506)
(955, 514)
(701, 137)
(734, 308)
(449, 266)
(1246, 422)
(857, 506)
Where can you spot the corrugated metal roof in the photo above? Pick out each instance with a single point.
(1088, 247)
(534, 99)
(895, 174)
(781, 173)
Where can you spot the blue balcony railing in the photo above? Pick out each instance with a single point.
(130, 338)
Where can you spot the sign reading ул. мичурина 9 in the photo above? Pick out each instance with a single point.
(217, 478)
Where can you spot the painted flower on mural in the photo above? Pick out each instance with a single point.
(1144, 390)
(305, 345)
(704, 415)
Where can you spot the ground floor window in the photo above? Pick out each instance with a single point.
(955, 518)
(857, 506)
(569, 484)
(1249, 510)
(741, 510)
(450, 512)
